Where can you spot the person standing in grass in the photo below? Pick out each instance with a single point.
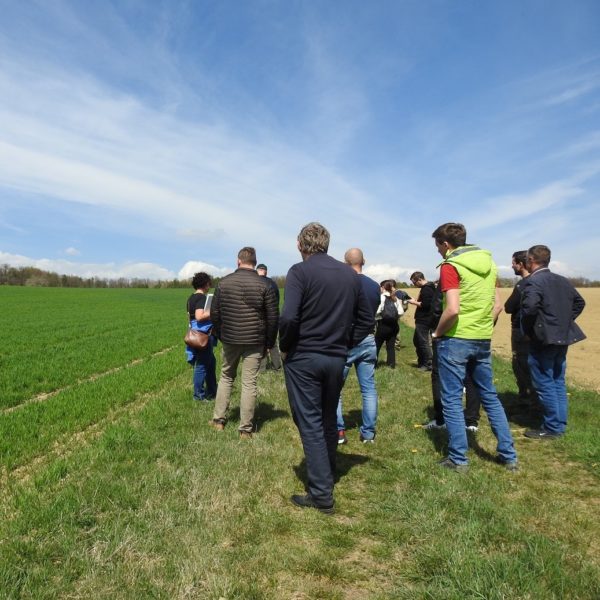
(471, 301)
(245, 316)
(203, 361)
(272, 353)
(422, 335)
(549, 307)
(364, 358)
(388, 313)
(324, 314)
(519, 342)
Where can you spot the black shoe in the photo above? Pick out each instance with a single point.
(509, 466)
(307, 502)
(541, 434)
(449, 464)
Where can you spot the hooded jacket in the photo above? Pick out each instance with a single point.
(477, 272)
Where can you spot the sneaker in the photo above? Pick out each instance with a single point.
(245, 435)
(342, 439)
(307, 502)
(217, 424)
(446, 463)
(541, 434)
(365, 440)
(433, 425)
(472, 428)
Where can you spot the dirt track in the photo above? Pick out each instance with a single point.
(583, 361)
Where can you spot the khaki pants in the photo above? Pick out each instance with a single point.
(250, 357)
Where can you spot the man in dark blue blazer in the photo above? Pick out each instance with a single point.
(324, 314)
(549, 307)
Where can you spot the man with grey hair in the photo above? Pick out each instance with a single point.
(324, 314)
(245, 314)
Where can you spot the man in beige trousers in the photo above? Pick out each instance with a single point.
(245, 315)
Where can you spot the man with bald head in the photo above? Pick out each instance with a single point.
(364, 358)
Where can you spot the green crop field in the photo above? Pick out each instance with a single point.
(113, 486)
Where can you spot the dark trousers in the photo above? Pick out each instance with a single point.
(314, 382)
(422, 342)
(520, 354)
(473, 400)
(387, 332)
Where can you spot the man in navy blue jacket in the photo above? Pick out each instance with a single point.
(549, 307)
(324, 314)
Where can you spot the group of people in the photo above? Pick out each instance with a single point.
(334, 317)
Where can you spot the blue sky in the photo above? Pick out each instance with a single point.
(154, 139)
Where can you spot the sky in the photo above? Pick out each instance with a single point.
(155, 139)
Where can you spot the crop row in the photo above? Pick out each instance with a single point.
(32, 430)
(54, 338)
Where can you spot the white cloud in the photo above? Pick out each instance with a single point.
(194, 266)
(128, 270)
(382, 271)
(70, 251)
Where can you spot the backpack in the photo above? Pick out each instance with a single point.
(390, 313)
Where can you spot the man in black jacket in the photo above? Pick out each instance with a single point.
(324, 314)
(272, 353)
(518, 341)
(245, 314)
(549, 307)
(422, 335)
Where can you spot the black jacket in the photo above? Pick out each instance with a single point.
(549, 307)
(244, 309)
(512, 306)
(324, 309)
(423, 312)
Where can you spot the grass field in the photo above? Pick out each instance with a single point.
(113, 486)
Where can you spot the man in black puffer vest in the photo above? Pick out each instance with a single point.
(245, 315)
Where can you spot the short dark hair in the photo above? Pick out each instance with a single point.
(313, 238)
(453, 233)
(540, 254)
(262, 266)
(199, 280)
(520, 256)
(416, 276)
(247, 255)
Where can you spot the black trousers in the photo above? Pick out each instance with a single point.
(520, 352)
(314, 382)
(473, 400)
(387, 332)
(422, 342)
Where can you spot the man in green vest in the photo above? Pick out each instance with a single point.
(463, 334)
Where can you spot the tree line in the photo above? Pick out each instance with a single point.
(32, 276)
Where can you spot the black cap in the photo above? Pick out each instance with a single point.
(261, 266)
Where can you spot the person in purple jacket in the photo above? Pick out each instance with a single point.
(324, 314)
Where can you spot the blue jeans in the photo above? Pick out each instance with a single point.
(456, 358)
(547, 366)
(364, 358)
(205, 378)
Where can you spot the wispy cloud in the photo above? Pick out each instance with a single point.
(140, 270)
